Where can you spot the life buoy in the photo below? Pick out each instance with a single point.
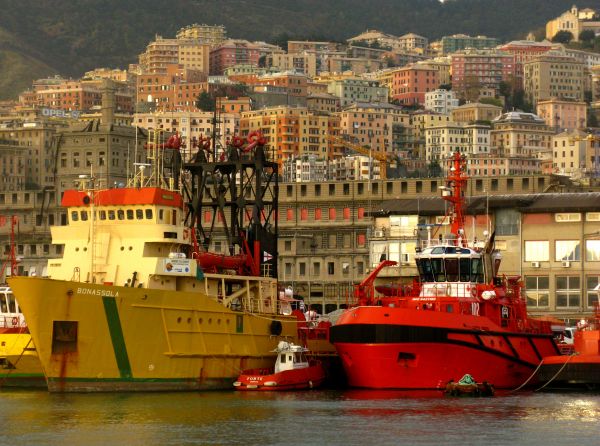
(275, 328)
(15, 321)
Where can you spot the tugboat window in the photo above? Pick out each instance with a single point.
(465, 270)
(121, 214)
(111, 215)
(74, 216)
(84, 215)
(129, 214)
(437, 266)
(139, 214)
(149, 214)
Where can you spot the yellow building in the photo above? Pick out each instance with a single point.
(553, 76)
(574, 21)
(475, 111)
(521, 134)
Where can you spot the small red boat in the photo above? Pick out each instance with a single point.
(292, 371)
(580, 368)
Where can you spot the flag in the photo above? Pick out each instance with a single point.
(267, 256)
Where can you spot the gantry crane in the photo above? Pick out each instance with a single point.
(382, 157)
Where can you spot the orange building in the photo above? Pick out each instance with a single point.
(295, 84)
(409, 84)
(294, 131)
(178, 89)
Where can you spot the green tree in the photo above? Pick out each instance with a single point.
(492, 101)
(434, 170)
(587, 35)
(205, 101)
(563, 37)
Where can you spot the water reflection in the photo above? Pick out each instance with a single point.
(347, 418)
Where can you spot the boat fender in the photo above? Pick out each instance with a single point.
(275, 328)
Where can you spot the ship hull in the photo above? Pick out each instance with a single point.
(19, 363)
(94, 338)
(570, 371)
(387, 348)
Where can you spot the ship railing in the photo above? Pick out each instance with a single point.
(452, 241)
(449, 289)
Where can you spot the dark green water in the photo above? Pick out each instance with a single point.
(326, 417)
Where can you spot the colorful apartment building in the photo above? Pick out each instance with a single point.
(524, 51)
(409, 84)
(563, 115)
(353, 89)
(77, 95)
(211, 34)
(161, 53)
(459, 42)
(521, 134)
(295, 84)
(374, 125)
(233, 52)
(569, 152)
(441, 101)
(553, 75)
(304, 62)
(473, 70)
(443, 140)
(191, 125)
(475, 111)
(294, 131)
(175, 90)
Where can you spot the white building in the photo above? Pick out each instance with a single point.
(443, 140)
(441, 101)
(304, 168)
(352, 168)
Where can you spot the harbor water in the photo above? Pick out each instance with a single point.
(322, 417)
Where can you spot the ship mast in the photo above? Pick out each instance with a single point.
(454, 193)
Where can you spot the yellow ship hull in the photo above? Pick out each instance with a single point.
(19, 362)
(93, 337)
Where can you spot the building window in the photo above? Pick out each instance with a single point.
(302, 268)
(330, 268)
(507, 222)
(567, 250)
(287, 245)
(303, 214)
(592, 283)
(567, 217)
(288, 269)
(346, 213)
(318, 214)
(537, 291)
(537, 251)
(316, 269)
(592, 216)
(331, 213)
(290, 214)
(568, 291)
(592, 250)
(361, 240)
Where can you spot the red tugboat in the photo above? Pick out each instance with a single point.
(293, 371)
(582, 367)
(457, 317)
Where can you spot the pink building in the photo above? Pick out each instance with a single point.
(563, 115)
(409, 84)
(233, 52)
(481, 69)
(524, 51)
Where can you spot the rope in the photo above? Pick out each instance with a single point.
(528, 379)
(556, 374)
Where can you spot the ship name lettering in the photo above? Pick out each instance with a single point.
(94, 292)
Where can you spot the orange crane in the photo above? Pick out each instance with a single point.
(382, 157)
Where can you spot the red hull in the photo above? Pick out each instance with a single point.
(297, 379)
(388, 348)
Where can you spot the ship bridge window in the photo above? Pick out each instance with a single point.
(451, 266)
(149, 214)
(102, 215)
(84, 215)
(121, 214)
(477, 270)
(129, 214)
(139, 214)
(111, 215)
(74, 216)
(161, 215)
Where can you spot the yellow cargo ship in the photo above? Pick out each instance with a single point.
(128, 308)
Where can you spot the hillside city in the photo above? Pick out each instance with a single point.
(361, 131)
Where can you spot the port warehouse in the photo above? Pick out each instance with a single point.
(547, 229)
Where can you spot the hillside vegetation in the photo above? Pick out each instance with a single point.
(71, 37)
